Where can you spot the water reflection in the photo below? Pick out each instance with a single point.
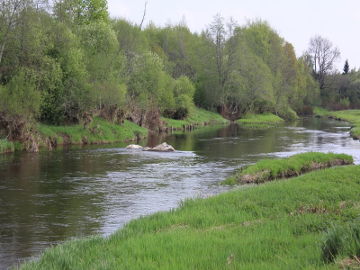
(49, 197)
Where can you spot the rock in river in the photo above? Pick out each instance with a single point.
(134, 146)
(164, 147)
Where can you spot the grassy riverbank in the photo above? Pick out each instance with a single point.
(198, 117)
(6, 146)
(98, 132)
(277, 225)
(351, 116)
(271, 169)
(259, 121)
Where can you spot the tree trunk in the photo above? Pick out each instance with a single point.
(2, 48)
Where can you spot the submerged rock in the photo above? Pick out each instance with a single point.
(134, 146)
(164, 147)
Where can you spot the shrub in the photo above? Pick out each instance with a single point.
(19, 105)
(288, 114)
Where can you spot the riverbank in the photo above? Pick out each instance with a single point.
(272, 169)
(6, 146)
(260, 121)
(198, 118)
(351, 116)
(277, 225)
(100, 131)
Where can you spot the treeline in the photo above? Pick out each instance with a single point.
(338, 90)
(66, 63)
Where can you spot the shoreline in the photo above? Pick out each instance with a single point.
(219, 231)
(103, 132)
(350, 116)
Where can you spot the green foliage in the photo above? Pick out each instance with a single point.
(146, 81)
(287, 113)
(82, 11)
(104, 64)
(19, 98)
(247, 228)
(183, 96)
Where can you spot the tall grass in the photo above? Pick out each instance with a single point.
(342, 241)
(278, 225)
(259, 121)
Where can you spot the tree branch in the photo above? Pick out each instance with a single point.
(143, 18)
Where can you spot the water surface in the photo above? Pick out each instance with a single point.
(49, 197)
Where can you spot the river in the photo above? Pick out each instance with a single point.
(49, 197)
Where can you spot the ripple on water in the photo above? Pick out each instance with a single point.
(54, 196)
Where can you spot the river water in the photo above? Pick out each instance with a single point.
(49, 197)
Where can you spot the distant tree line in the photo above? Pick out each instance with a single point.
(64, 63)
(337, 90)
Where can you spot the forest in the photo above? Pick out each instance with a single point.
(66, 62)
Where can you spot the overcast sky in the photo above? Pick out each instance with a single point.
(296, 21)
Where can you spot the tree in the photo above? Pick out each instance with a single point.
(216, 52)
(19, 105)
(10, 15)
(323, 55)
(81, 11)
(346, 67)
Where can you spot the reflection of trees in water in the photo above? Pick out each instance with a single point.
(232, 141)
(47, 199)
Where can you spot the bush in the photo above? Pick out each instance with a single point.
(288, 114)
(19, 97)
(263, 106)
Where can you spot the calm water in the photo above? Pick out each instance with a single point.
(50, 197)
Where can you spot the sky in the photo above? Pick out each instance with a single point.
(296, 21)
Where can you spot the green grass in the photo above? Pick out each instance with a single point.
(6, 146)
(198, 117)
(278, 225)
(321, 111)
(343, 240)
(99, 131)
(259, 121)
(352, 116)
(270, 169)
